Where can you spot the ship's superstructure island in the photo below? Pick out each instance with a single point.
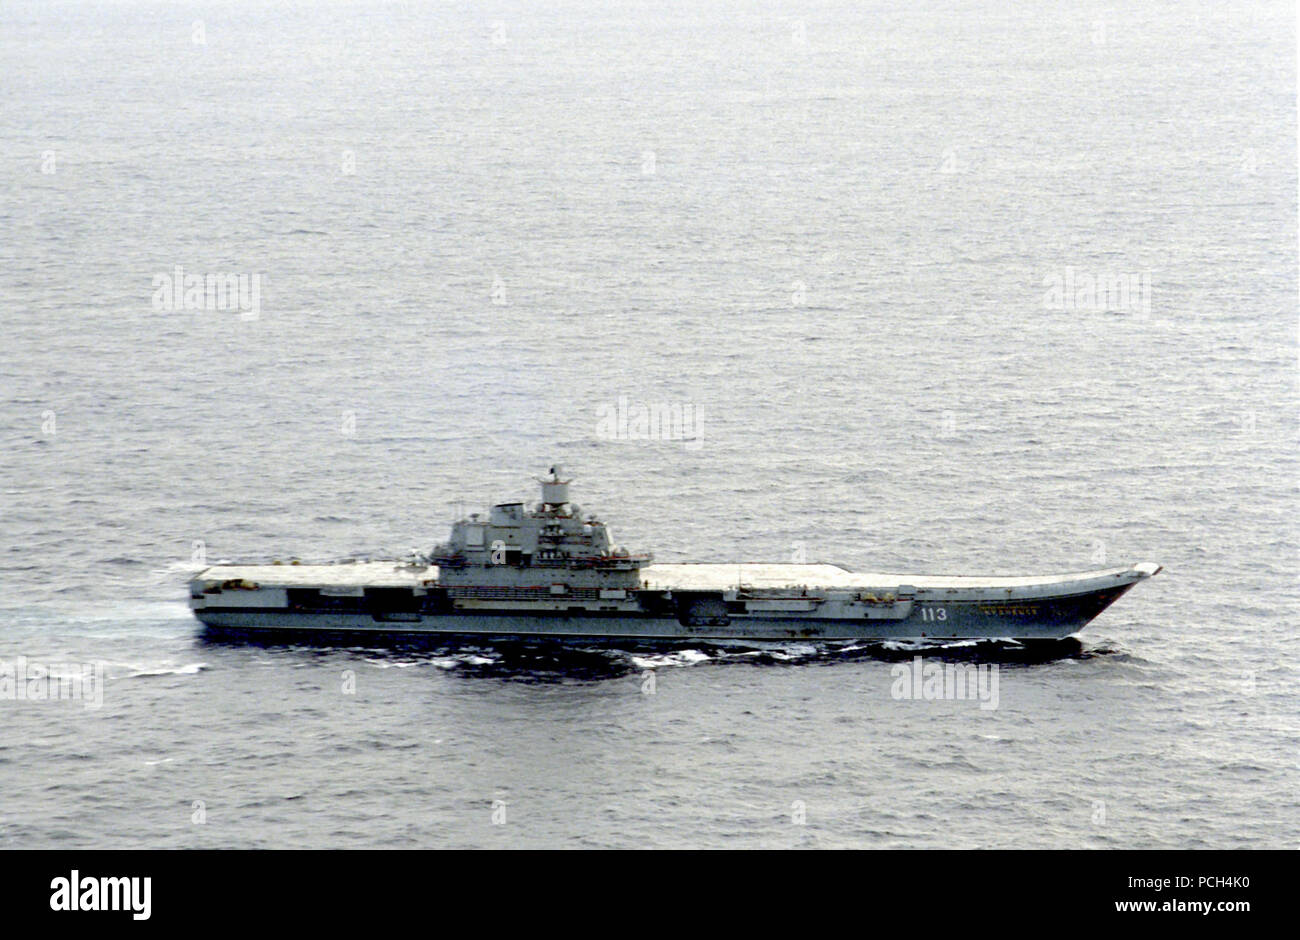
(548, 571)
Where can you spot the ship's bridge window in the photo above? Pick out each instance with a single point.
(507, 513)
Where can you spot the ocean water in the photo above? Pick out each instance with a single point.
(855, 247)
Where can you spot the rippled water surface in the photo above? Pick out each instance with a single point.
(836, 234)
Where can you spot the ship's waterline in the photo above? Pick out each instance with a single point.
(550, 572)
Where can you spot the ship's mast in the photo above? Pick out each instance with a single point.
(555, 492)
(515, 546)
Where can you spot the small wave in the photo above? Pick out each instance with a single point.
(679, 658)
(190, 669)
(441, 662)
(793, 651)
(928, 643)
(936, 643)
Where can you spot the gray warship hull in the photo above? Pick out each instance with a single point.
(714, 603)
(552, 571)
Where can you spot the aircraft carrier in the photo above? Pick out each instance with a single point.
(549, 571)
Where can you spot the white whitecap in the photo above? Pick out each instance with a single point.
(678, 658)
(189, 669)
